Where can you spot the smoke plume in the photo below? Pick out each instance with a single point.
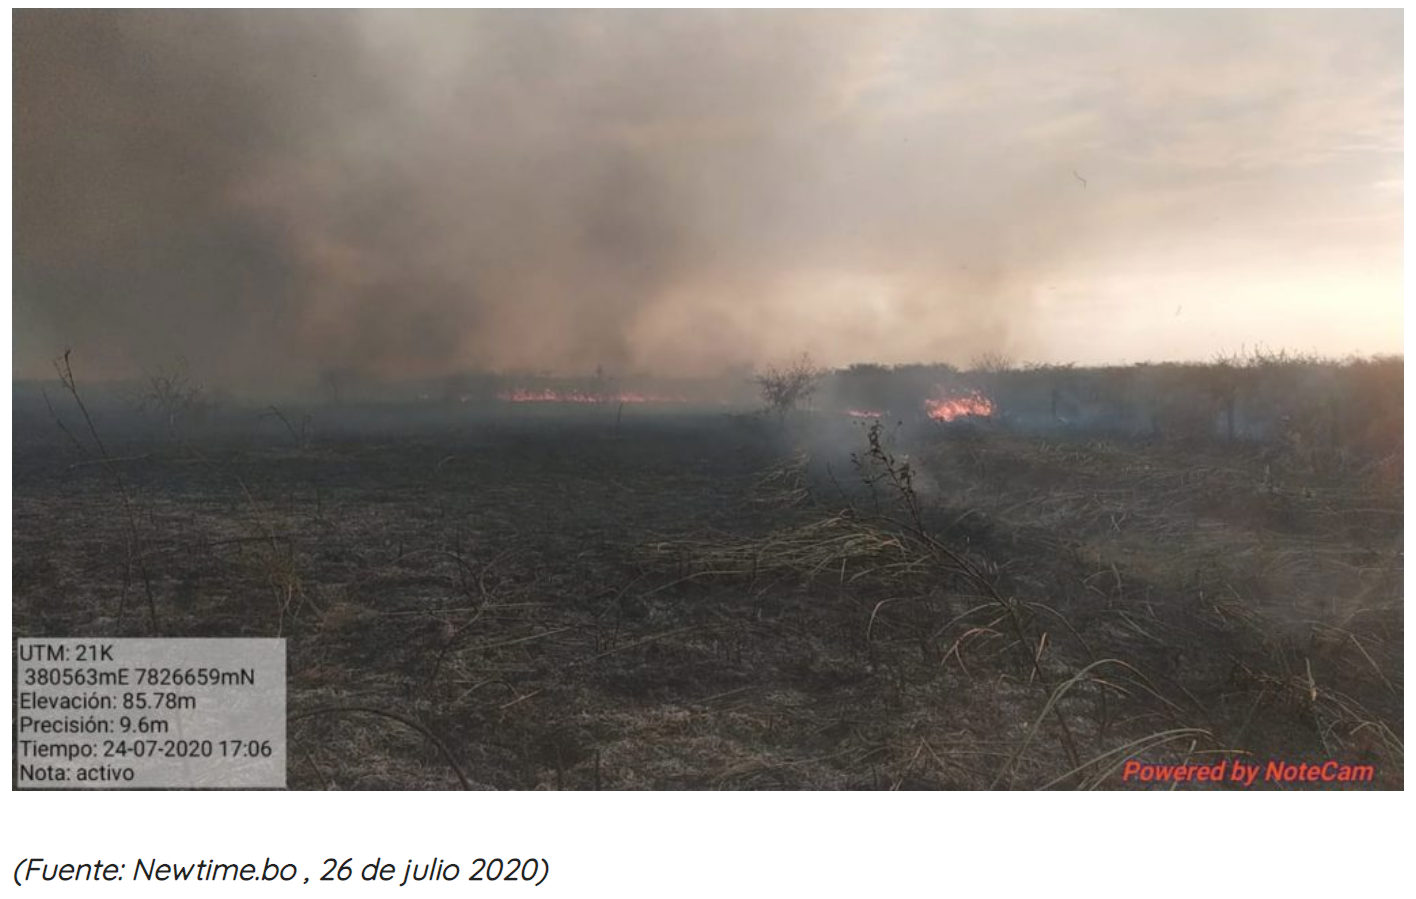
(275, 194)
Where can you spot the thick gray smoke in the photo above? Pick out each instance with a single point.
(275, 194)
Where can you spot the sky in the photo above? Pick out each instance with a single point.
(271, 195)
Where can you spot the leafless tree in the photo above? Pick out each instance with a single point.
(784, 388)
(173, 394)
(992, 362)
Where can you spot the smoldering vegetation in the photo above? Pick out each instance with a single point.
(1349, 408)
(1163, 563)
(435, 342)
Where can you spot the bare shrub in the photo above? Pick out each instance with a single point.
(992, 362)
(172, 394)
(785, 388)
(136, 539)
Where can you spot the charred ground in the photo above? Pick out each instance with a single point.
(582, 599)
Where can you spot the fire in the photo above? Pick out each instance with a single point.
(953, 408)
(549, 395)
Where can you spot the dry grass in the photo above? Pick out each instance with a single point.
(602, 604)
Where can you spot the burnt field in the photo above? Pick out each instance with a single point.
(602, 599)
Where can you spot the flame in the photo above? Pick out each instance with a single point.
(953, 408)
(549, 395)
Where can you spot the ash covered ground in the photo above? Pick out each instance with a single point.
(601, 597)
